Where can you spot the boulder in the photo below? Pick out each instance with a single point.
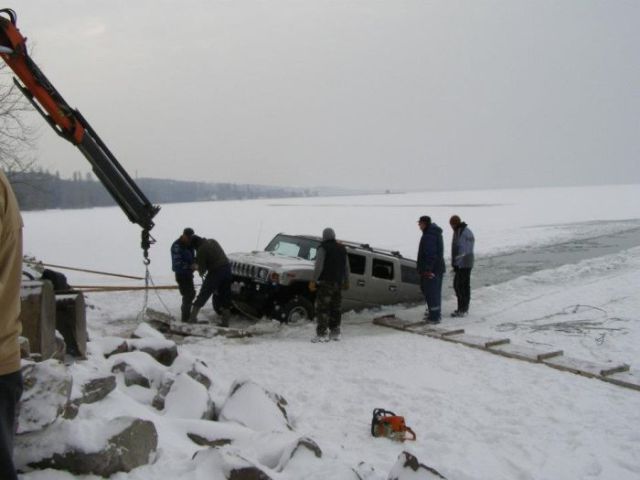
(408, 467)
(130, 444)
(230, 466)
(47, 389)
(139, 368)
(188, 399)
(304, 446)
(91, 391)
(164, 351)
(205, 442)
(163, 391)
(252, 406)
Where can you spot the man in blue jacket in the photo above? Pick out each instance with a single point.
(462, 262)
(183, 265)
(431, 267)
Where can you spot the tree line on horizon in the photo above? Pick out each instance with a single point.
(39, 190)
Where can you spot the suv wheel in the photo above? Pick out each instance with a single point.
(296, 310)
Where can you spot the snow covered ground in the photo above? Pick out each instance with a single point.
(476, 415)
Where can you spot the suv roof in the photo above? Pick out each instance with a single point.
(356, 245)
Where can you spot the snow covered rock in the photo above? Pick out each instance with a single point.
(163, 350)
(188, 399)
(91, 391)
(252, 406)
(195, 368)
(84, 447)
(409, 468)
(299, 451)
(47, 388)
(227, 465)
(145, 330)
(139, 368)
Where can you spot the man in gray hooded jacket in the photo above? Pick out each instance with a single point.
(462, 262)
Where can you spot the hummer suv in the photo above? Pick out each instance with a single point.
(274, 282)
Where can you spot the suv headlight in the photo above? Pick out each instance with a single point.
(262, 274)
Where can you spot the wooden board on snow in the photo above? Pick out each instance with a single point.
(523, 353)
(475, 341)
(583, 367)
(624, 379)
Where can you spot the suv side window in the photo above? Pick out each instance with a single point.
(409, 275)
(382, 269)
(357, 263)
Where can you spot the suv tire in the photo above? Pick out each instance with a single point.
(297, 310)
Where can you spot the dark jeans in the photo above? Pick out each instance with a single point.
(218, 281)
(432, 291)
(188, 292)
(328, 313)
(10, 393)
(462, 286)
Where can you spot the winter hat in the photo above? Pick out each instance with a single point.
(328, 234)
(196, 241)
(425, 219)
(188, 232)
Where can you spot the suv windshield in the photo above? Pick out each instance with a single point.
(293, 246)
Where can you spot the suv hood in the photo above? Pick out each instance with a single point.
(271, 261)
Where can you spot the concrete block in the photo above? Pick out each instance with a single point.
(38, 317)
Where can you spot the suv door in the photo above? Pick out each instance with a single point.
(383, 288)
(357, 296)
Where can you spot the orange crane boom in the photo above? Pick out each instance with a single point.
(72, 126)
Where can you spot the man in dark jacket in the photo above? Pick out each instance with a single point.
(462, 262)
(214, 265)
(431, 267)
(330, 277)
(183, 264)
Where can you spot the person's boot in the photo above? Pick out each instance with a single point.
(226, 315)
(193, 316)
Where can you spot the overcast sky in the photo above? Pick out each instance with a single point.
(368, 94)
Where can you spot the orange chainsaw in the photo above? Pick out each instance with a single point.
(387, 424)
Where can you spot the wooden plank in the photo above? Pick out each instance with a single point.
(434, 331)
(520, 352)
(392, 321)
(583, 367)
(625, 379)
(475, 340)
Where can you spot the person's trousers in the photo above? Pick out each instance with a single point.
(218, 281)
(462, 287)
(10, 393)
(432, 291)
(188, 292)
(328, 312)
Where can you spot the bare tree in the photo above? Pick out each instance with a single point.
(17, 137)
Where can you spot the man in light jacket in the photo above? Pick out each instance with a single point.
(10, 327)
(462, 262)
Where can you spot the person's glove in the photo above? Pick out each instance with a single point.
(429, 275)
(313, 286)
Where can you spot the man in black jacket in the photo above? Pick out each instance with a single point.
(214, 265)
(431, 267)
(330, 277)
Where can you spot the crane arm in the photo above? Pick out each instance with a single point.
(72, 126)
